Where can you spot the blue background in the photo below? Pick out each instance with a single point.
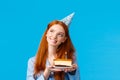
(95, 32)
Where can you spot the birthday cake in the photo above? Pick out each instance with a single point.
(63, 62)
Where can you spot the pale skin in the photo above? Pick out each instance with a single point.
(55, 36)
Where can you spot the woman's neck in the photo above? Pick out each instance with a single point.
(52, 51)
(51, 54)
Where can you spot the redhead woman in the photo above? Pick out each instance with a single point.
(55, 42)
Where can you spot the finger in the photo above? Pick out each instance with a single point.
(55, 69)
(68, 70)
(74, 66)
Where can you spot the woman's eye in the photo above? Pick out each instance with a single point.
(51, 30)
(61, 35)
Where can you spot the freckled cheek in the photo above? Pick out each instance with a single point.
(49, 34)
(60, 39)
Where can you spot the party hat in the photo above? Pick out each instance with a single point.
(67, 20)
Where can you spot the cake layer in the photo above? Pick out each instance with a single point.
(62, 62)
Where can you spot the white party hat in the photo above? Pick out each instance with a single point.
(67, 20)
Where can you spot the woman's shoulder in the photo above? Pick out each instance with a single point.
(31, 59)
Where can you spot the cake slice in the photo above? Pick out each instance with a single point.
(63, 62)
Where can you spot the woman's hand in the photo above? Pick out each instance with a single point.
(73, 68)
(48, 70)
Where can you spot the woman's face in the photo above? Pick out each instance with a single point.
(55, 35)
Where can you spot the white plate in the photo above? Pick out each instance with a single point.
(58, 67)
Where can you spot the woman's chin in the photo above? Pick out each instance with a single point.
(52, 44)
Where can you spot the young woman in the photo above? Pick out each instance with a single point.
(55, 42)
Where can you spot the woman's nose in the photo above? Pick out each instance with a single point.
(54, 36)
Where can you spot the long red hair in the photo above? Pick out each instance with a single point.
(41, 56)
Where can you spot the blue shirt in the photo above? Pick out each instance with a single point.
(30, 72)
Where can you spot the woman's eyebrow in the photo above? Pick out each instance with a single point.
(62, 32)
